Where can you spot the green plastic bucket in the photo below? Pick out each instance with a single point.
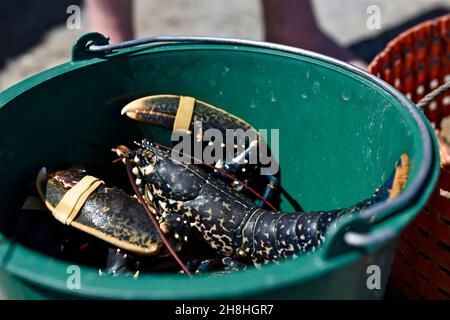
(341, 131)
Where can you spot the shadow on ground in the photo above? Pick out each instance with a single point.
(24, 23)
(368, 48)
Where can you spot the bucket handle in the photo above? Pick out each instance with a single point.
(94, 44)
(356, 233)
(369, 239)
(94, 47)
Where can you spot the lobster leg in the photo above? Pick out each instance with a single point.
(269, 192)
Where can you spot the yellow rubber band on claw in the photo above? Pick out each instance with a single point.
(184, 114)
(72, 202)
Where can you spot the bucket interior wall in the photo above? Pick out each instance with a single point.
(339, 135)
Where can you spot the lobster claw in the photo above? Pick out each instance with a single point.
(180, 112)
(106, 213)
(159, 110)
(194, 116)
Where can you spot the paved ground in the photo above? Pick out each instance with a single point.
(34, 35)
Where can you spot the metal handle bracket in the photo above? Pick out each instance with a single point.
(365, 240)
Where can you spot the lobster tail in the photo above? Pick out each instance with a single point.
(280, 235)
(269, 236)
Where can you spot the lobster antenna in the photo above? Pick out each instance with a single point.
(225, 174)
(153, 219)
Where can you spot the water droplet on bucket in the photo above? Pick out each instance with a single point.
(346, 95)
(304, 96)
(316, 87)
(225, 71)
(272, 98)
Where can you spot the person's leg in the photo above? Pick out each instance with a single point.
(292, 22)
(112, 18)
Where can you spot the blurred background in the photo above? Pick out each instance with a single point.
(35, 34)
